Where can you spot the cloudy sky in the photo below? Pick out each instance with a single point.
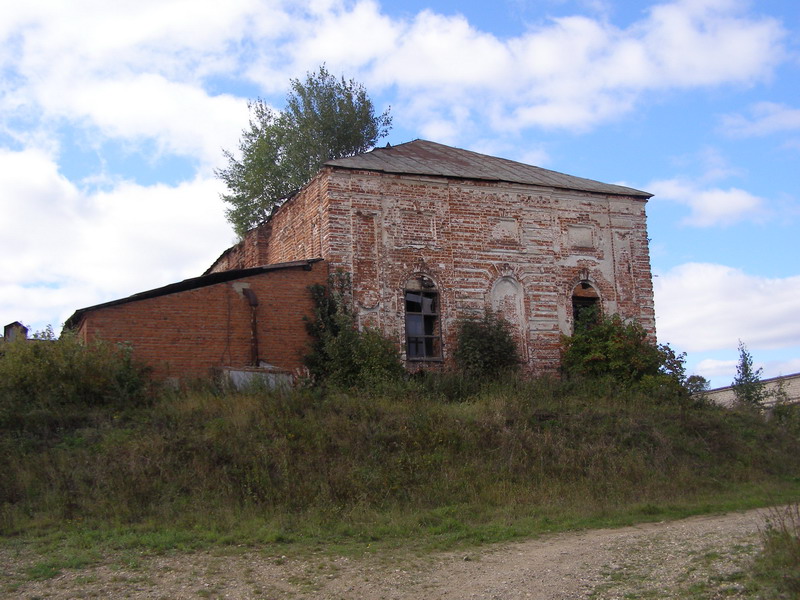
(114, 115)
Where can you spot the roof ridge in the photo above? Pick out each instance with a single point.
(425, 157)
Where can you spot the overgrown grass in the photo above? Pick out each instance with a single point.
(439, 460)
(776, 573)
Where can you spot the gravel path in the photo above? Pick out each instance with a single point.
(700, 557)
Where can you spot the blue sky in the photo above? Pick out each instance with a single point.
(113, 117)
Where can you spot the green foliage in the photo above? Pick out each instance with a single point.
(324, 119)
(608, 347)
(696, 384)
(785, 412)
(341, 355)
(747, 386)
(486, 347)
(324, 463)
(49, 382)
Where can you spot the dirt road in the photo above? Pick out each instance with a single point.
(701, 557)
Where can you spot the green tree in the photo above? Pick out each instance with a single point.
(324, 119)
(747, 386)
(697, 384)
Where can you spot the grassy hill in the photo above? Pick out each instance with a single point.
(439, 459)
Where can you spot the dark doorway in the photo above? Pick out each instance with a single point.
(585, 305)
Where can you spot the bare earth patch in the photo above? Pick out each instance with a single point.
(700, 557)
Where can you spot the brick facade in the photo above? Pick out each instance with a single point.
(522, 249)
(189, 330)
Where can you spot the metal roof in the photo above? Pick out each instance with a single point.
(422, 157)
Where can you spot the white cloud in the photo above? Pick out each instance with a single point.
(346, 38)
(765, 118)
(702, 307)
(574, 72)
(782, 367)
(722, 372)
(145, 69)
(182, 119)
(710, 206)
(714, 368)
(709, 42)
(65, 249)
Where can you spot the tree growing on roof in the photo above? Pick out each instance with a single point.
(324, 119)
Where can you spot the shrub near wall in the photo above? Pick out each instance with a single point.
(621, 351)
(341, 355)
(486, 347)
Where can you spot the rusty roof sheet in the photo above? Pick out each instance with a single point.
(422, 157)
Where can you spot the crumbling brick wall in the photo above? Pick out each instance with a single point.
(520, 249)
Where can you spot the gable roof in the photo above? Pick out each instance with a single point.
(422, 157)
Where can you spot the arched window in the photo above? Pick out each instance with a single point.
(585, 303)
(423, 328)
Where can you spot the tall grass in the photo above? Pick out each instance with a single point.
(777, 570)
(440, 455)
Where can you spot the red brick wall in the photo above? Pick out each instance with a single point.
(190, 333)
(297, 231)
(517, 248)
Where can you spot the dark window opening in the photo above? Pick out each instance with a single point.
(423, 340)
(585, 306)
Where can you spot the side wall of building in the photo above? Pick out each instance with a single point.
(298, 230)
(189, 334)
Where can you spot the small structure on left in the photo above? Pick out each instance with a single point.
(15, 331)
(243, 323)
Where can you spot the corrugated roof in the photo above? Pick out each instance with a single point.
(422, 157)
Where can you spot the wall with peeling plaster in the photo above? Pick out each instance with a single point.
(519, 249)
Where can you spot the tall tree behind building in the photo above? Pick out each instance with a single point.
(325, 118)
(747, 385)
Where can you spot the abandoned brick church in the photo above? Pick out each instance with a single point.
(430, 234)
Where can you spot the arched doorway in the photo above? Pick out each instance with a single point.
(585, 303)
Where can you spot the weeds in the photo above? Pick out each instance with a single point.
(777, 570)
(446, 458)
(309, 462)
(341, 355)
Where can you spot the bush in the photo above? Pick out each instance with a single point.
(486, 347)
(341, 355)
(608, 347)
(47, 378)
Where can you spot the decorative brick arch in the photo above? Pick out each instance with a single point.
(584, 294)
(507, 299)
